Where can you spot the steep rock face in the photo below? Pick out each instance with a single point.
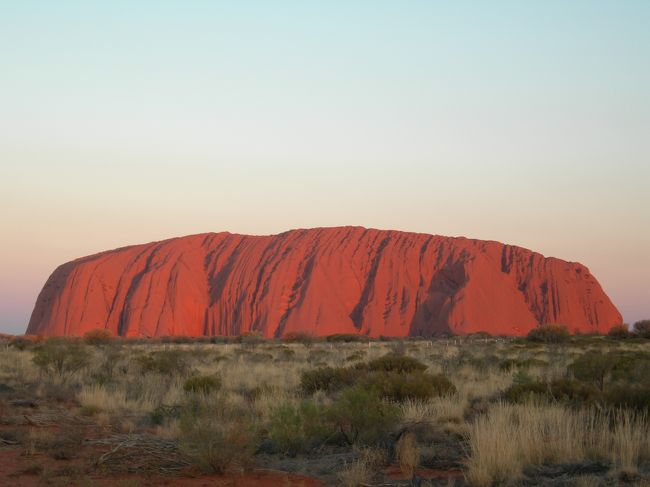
(321, 281)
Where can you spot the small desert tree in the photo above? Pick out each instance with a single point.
(592, 367)
(58, 356)
(642, 328)
(619, 331)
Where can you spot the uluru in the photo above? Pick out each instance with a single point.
(320, 281)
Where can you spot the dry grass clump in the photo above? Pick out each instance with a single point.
(443, 409)
(101, 398)
(629, 442)
(362, 470)
(16, 366)
(407, 453)
(218, 435)
(510, 437)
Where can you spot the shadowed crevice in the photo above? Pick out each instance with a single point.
(357, 313)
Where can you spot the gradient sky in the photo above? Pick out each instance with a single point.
(124, 122)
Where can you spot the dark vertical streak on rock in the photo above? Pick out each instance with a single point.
(121, 326)
(357, 313)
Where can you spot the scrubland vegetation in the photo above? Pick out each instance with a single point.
(550, 409)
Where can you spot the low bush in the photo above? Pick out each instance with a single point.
(286, 355)
(260, 357)
(163, 414)
(98, 337)
(203, 384)
(361, 416)
(218, 436)
(393, 377)
(549, 333)
(628, 396)
(619, 332)
(217, 339)
(413, 386)
(318, 356)
(167, 362)
(250, 339)
(630, 367)
(592, 367)
(355, 356)
(396, 363)
(20, 343)
(483, 363)
(328, 379)
(297, 429)
(642, 328)
(345, 338)
(61, 357)
(565, 391)
(306, 339)
(509, 364)
(527, 391)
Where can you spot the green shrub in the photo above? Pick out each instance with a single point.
(630, 367)
(345, 338)
(628, 396)
(98, 337)
(522, 377)
(619, 332)
(260, 357)
(509, 364)
(164, 413)
(286, 355)
(20, 343)
(361, 416)
(415, 386)
(298, 429)
(483, 363)
(393, 377)
(355, 356)
(395, 363)
(328, 379)
(561, 390)
(592, 367)
(217, 436)
(89, 410)
(203, 384)
(316, 356)
(549, 333)
(527, 391)
(573, 392)
(219, 340)
(307, 339)
(58, 356)
(167, 362)
(250, 339)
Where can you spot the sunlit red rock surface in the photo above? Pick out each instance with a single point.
(321, 281)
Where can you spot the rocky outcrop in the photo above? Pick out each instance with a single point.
(320, 281)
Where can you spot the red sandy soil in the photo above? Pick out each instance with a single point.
(320, 281)
(21, 470)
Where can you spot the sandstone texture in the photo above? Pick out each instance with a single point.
(320, 281)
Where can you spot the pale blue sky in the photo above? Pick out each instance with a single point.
(524, 122)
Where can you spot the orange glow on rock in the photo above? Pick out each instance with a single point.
(320, 281)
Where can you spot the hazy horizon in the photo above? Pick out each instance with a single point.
(129, 122)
